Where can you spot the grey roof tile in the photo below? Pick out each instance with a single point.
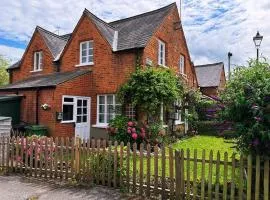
(45, 80)
(15, 65)
(209, 75)
(134, 32)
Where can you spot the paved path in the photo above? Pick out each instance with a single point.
(21, 188)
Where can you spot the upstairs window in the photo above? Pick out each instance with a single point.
(161, 53)
(86, 53)
(37, 61)
(182, 64)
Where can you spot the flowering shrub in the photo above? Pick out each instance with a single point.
(37, 150)
(247, 105)
(122, 130)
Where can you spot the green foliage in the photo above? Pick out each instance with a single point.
(122, 130)
(247, 105)
(3, 71)
(148, 87)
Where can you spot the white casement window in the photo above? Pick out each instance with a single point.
(107, 109)
(86, 53)
(68, 109)
(182, 64)
(161, 53)
(37, 61)
(180, 114)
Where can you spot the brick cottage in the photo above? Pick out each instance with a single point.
(68, 82)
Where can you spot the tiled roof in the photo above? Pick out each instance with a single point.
(45, 80)
(209, 75)
(15, 65)
(134, 32)
(124, 34)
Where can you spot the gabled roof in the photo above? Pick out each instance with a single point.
(209, 75)
(124, 34)
(134, 32)
(15, 65)
(45, 80)
(54, 42)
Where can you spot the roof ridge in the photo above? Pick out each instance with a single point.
(211, 64)
(51, 33)
(143, 14)
(99, 19)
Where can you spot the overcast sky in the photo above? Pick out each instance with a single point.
(212, 27)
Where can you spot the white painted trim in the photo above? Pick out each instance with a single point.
(84, 64)
(87, 51)
(161, 43)
(40, 70)
(100, 126)
(115, 40)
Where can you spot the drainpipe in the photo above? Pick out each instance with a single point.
(37, 106)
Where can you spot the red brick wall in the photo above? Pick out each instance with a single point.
(36, 44)
(175, 46)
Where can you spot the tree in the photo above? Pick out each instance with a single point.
(247, 104)
(4, 63)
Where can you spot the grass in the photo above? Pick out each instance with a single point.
(217, 144)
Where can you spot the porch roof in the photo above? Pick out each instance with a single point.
(50, 80)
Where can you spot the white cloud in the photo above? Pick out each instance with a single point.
(212, 27)
(11, 53)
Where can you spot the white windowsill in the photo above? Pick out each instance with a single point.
(36, 71)
(164, 66)
(100, 126)
(179, 123)
(67, 122)
(84, 64)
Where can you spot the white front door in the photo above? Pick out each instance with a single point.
(82, 113)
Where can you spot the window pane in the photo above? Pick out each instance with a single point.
(84, 46)
(79, 103)
(84, 103)
(101, 118)
(101, 108)
(83, 59)
(90, 44)
(90, 51)
(101, 99)
(79, 119)
(110, 99)
(67, 112)
(110, 109)
(79, 111)
(84, 118)
(84, 111)
(67, 99)
(110, 117)
(84, 53)
(90, 59)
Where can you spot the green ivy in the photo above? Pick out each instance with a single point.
(148, 87)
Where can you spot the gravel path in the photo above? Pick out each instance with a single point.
(21, 188)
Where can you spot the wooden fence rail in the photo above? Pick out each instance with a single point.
(138, 168)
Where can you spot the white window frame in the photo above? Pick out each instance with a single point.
(105, 109)
(38, 64)
(87, 53)
(69, 103)
(179, 113)
(182, 64)
(161, 58)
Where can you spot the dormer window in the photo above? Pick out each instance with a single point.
(37, 61)
(86, 53)
(182, 64)
(161, 53)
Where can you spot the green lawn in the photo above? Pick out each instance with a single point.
(208, 143)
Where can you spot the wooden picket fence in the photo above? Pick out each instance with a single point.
(151, 172)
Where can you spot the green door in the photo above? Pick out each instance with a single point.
(10, 107)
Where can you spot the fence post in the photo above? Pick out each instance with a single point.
(77, 156)
(177, 175)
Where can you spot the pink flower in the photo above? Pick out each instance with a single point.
(134, 136)
(129, 131)
(130, 123)
(142, 135)
(142, 130)
(133, 130)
